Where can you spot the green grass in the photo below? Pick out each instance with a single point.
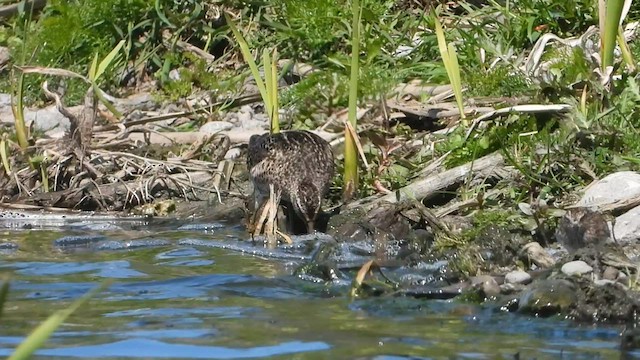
(603, 137)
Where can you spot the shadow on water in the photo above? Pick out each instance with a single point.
(196, 291)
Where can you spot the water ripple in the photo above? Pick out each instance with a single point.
(148, 348)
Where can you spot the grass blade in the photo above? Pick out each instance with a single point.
(246, 54)
(611, 24)
(266, 64)
(350, 155)
(269, 87)
(273, 92)
(4, 292)
(450, 61)
(40, 335)
(44, 176)
(104, 64)
(100, 94)
(627, 56)
(17, 106)
(456, 82)
(93, 69)
(4, 156)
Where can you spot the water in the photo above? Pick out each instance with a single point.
(188, 291)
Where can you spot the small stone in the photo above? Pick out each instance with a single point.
(517, 277)
(576, 268)
(547, 297)
(232, 154)
(537, 255)
(610, 273)
(213, 127)
(487, 284)
(508, 289)
(174, 75)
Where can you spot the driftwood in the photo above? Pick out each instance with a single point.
(489, 166)
(123, 195)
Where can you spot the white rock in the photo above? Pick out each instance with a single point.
(174, 75)
(213, 127)
(627, 226)
(47, 119)
(517, 277)
(613, 188)
(5, 101)
(574, 268)
(537, 254)
(232, 154)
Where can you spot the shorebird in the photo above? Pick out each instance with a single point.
(292, 168)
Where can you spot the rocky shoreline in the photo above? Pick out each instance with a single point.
(394, 245)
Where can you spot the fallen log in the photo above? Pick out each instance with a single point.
(486, 167)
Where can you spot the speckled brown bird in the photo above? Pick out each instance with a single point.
(294, 167)
(582, 227)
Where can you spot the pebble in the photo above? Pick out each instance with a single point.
(574, 268)
(488, 284)
(547, 297)
(537, 255)
(174, 75)
(232, 154)
(517, 277)
(610, 273)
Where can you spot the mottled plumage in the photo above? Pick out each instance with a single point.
(582, 227)
(293, 166)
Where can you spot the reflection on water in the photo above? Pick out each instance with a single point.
(195, 291)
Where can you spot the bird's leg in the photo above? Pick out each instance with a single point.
(260, 215)
(311, 226)
(270, 226)
(253, 214)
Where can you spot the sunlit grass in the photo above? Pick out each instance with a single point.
(350, 149)
(450, 60)
(269, 87)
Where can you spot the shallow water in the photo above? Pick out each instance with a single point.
(200, 291)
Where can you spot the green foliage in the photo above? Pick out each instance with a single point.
(194, 74)
(499, 81)
(318, 33)
(520, 23)
(310, 29)
(69, 33)
(569, 67)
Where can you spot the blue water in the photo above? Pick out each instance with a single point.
(181, 291)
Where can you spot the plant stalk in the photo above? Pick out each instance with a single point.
(350, 154)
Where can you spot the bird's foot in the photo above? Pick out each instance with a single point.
(284, 236)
